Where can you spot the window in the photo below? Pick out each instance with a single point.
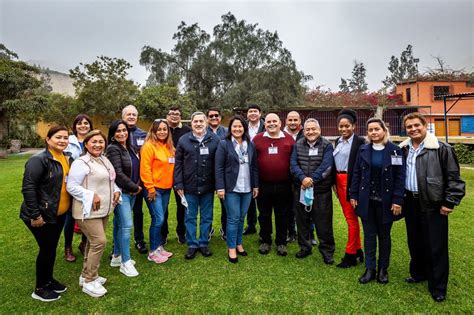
(440, 90)
(408, 94)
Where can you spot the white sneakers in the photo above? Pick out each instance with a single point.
(100, 279)
(129, 269)
(94, 289)
(117, 261)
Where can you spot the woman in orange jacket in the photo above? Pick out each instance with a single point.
(156, 173)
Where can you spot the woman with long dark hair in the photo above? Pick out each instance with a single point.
(44, 208)
(126, 163)
(236, 181)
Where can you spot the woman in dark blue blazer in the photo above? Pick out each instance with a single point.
(236, 181)
(377, 193)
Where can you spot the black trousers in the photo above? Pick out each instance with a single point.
(138, 218)
(321, 215)
(292, 213)
(374, 229)
(68, 229)
(180, 212)
(274, 197)
(252, 215)
(427, 236)
(47, 237)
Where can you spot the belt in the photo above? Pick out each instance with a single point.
(341, 172)
(414, 195)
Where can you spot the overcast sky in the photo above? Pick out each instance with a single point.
(325, 37)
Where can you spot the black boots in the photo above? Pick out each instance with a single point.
(349, 260)
(360, 255)
(368, 276)
(382, 276)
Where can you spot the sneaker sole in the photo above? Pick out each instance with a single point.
(92, 293)
(156, 262)
(128, 274)
(39, 298)
(60, 291)
(81, 283)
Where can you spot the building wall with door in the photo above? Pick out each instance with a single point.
(460, 117)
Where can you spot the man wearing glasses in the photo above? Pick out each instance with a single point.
(177, 130)
(214, 122)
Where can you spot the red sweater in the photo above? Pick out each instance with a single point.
(273, 168)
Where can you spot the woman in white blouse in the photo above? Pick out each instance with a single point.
(91, 182)
(236, 181)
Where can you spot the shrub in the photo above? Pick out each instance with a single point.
(464, 153)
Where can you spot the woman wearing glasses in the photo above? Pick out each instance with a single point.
(156, 173)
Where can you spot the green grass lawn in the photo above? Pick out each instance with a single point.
(257, 284)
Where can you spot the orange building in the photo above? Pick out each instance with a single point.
(424, 93)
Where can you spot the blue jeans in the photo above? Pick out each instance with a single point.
(123, 227)
(205, 203)
(157, 208)
(236, 205)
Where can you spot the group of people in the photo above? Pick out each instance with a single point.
(290, 173)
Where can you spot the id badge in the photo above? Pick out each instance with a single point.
(397, 160)
(204, 150)
(313, 151)
(140, 142)
(171, 160)
(272, 150)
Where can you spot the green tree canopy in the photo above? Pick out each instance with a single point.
(22, 95)
(403, 68)
(357, 83)
(239, 63)
(154, 102)
(102, 87)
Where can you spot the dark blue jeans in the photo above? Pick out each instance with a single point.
(375, 228)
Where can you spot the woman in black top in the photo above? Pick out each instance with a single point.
(44, 207)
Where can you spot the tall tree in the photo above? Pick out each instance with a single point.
(403, 68)
(102, 87)
(357, 83)
(22, 96)
(239, 63)
(154, 101)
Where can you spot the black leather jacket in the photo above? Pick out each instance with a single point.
(438, 176)
(41, 187)
(122, 162)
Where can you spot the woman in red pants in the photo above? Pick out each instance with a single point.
(345, 154)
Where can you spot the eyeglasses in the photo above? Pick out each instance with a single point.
(214, 116)
(174, 114)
